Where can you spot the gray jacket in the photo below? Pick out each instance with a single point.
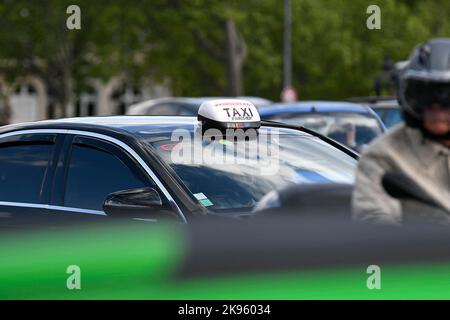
(403, 150)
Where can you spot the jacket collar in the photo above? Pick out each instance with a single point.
(425, 149)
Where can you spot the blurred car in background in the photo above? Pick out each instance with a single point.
(387, 109)
(354, 125)
(181, 106)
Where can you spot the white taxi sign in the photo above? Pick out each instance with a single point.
(229, 113)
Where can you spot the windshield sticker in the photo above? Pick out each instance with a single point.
(200, 196)
(206, 202)
(203, 199)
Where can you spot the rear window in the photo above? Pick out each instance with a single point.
(351, 129)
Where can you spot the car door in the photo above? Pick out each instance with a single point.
(93, 169)
(27, 166)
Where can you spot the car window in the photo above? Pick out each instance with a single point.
(392, 117)
(379, 111)
(22, 171)
(94, 173)
(165, 109)
(187, 111)
(352, 129)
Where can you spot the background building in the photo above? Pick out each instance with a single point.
(28, 99)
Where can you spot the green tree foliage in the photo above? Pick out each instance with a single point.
(334, 54)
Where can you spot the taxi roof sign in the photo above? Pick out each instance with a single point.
(229, 113)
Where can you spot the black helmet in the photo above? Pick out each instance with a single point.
(426, 80)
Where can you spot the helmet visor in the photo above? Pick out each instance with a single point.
(423, 94)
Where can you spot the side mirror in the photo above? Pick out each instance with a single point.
(401, 187)
(142, 203)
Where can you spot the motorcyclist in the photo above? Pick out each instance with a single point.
(418, 149)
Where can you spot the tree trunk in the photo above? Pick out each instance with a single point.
(5, 106)
(68, 102)
(60, 86)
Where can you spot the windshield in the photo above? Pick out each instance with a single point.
(234, 175)
(390, 116)
(351, 129)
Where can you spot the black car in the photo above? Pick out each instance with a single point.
(122, 166)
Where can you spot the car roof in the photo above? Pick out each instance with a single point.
(377, 102)
(141, 107)
(129, 124)
(152, 102)
(118, 124)
(385, 104)
(370, 99)
(314, 106)
(194, 102)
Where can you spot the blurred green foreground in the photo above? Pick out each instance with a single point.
(143, 262)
